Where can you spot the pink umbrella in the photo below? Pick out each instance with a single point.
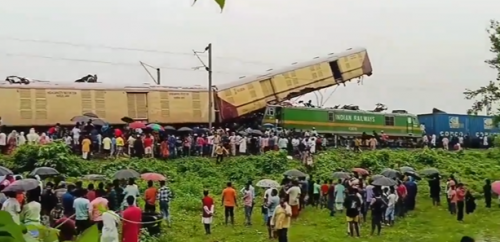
(360, 171)
(153, 177)
(495, 187)
(137, 125)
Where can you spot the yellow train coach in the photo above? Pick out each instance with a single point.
(250, 94)
(47, 103)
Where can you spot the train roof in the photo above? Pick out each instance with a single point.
(97, 86)
(296, 65)
(344, 110)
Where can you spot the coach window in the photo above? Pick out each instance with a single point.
(389, 120)
(330, 116)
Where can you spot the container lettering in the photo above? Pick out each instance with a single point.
(61, 93)
(178, 95)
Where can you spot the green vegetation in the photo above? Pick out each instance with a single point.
(221, 3)
(191, 175)
(485, 96)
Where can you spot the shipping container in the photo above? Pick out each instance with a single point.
(445, 124)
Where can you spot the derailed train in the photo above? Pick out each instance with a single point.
(46, 103)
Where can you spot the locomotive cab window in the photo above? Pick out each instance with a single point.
(389, 120)
(330, 117)
(270, 111)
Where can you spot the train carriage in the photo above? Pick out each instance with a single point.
(250, 94)
(343, 122)
(46, 103)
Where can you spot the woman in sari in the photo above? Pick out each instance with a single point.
(44, 139)
(11, 142)
(164, 149)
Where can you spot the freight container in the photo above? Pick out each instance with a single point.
(445, 124)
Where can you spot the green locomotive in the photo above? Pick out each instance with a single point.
(342, 122)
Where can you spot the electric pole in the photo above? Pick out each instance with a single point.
(210, 94)
(208, 68)
(157, 80)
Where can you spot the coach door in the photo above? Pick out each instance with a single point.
(137, 103)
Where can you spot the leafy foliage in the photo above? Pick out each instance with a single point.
(221, 3)
(486, 95)
(189, 176)
(56, 155)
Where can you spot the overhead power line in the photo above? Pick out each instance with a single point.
(127, 49)
(108, 62)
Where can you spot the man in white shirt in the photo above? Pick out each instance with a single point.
(392, 199)
(210, 142)
(76, 135)
(12, 206)
(283, 143)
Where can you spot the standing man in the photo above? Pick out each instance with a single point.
(132, 218)
(229, 202)
(164, 196)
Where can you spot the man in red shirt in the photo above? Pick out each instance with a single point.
(132, 218)
(324, 194)
(460, 197)
(148, 145)
(67, 228)
(400, 207)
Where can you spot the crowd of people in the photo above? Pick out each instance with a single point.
(73, 208)
(89, 141)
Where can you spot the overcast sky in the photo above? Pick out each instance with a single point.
(424, 53)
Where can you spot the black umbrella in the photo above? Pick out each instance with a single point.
(413, 174)
(391, 173)
(5, 171)
(256, 132)
(404, 169)
(44, 171)
(295, 173)
(384, 181)
(169, 128)
(126, 174)
(92, 115)
(375, 177)
(185, 129)
(243, 133)
(94, 177)
(85, 119)
(127, 120)
(430, 172)
(341, 175)
(22, 185)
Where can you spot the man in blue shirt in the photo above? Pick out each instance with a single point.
(67, 201)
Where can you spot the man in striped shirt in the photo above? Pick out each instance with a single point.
(163, 197)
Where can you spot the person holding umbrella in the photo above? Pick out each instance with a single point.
(12, 206)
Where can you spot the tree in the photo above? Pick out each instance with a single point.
(221, 3)
(486, 95)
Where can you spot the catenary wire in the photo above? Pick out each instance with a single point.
(191, 69)
(107, 62)
(128, 49)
